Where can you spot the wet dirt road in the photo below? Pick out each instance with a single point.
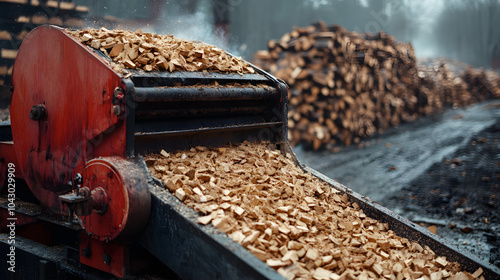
(439, 170)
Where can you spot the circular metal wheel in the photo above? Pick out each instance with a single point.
(121, 199)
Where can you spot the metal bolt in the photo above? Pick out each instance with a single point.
(78, 179)
(37, 112)
(87, 252)
(106, 258)
(117, 110)
(118, 96)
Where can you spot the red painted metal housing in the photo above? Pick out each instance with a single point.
(76, 87)
(7, 156)
(63, 123)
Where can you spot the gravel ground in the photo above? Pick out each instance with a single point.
(437, 171)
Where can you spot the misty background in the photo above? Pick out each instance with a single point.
(464, 30)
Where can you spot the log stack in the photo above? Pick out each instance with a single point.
(345, 86)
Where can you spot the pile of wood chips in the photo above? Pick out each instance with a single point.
(153, 52)
(290, 219)
(345, 86)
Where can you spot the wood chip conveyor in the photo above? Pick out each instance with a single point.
(86, 205)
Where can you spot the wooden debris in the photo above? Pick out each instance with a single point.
(306, 235)
(180, 194)
(478, 272)
(275, 263)
(322, 274)
(432, 228)
(153, 52)
(205, 220)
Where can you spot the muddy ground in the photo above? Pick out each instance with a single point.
(442, 170)
(460, 195)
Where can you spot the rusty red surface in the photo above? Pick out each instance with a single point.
(127, 195)
(108, 257)
(76, 87)
(8, 156)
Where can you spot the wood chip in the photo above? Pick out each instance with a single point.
(290, 271)
(462, 276)
(239, 211)
(164, 153)
(441, 261)
(251, 238)
(275, 263)
(378, 269)
(180, 194)
(322, 274)
(478, 272)
(312, 255)
(116, 50)
(205, 220)
(436, 275)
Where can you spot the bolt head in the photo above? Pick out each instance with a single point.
(78, 179)
(37, 112)
(117, 110)
(86, 252)
(106, 258)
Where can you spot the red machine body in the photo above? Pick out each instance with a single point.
(76, 89)
(68, 121)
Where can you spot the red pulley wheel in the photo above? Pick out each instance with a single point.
(121, 198)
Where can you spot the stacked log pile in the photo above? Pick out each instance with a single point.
(458, 84)
(345, 86)
(153, 52)
(291, 220)
(21, 16)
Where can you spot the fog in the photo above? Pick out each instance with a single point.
(465, 30)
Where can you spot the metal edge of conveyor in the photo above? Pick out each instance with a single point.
(33, 260)
(407, 229)
(192, 250)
